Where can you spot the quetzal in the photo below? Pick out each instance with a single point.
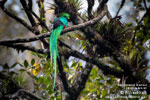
(58, 25)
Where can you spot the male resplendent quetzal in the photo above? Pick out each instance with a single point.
(58, 25)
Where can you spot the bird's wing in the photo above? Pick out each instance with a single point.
(56, 23)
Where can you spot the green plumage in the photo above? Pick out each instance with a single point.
(60, 23)
(53, 48)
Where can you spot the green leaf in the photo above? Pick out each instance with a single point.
(20, 64)
(74, 64)
(146, 20)
(129, 24)
(22, 70)
(14, 65)
(66, 65)
(132, 54)
(42, 5)
(26, 63)
(43, 19)
(103, 93)
(12, 73)
(44, 31)
(6, 66)
(32, 61)
(79, 64)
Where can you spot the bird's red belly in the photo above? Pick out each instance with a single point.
(64, 27)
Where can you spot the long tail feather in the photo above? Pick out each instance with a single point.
(50, 47)
(53, 50)
(55, 69)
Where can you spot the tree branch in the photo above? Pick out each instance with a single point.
(88, 23)
(24, 94)
(29, 12)
(90, 33)
(111, 71)
(146, 14)
(81, 79)
(90, 7)
(22, 48)
(30, 5)
(108, 13)
(32, 29)
(101, 6)
(17, 18)
(72, 28)
(95, 61)
(62, 74)
(106, 69)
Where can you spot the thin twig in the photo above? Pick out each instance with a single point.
(27, 10)
(41, 22)
(121, 5)
(145, 5)
(101, 6)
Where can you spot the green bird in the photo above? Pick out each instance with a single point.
(58, 25)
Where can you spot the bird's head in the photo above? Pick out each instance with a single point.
(65, 15)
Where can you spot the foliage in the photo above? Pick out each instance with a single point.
(76, 3)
